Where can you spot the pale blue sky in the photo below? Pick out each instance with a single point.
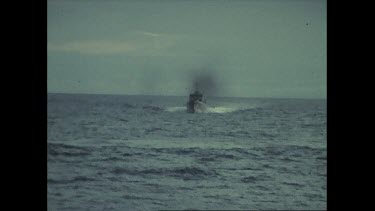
(255, 48)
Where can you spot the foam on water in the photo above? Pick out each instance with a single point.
(221, 109)
(210, 109)
(175, 109)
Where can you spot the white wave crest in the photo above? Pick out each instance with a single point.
(221, 109)
(176, 109)
(206, 110)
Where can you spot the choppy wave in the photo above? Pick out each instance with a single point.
(152, 108)
(179, 172)
(254, 179)
(148, 154)
(56, 149)
(69, 181)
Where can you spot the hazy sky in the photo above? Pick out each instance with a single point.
(254, 48)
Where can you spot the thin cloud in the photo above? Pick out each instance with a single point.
(152, 44)
(152, 34)
(94, 47)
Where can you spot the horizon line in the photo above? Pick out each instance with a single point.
(297, 98)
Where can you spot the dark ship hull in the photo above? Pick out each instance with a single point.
(195, 103)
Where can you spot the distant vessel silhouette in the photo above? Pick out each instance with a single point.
(196, 103)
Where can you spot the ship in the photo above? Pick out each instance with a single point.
(196, 103)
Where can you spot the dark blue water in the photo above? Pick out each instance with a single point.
(109, 152)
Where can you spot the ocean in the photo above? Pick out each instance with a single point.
(118, 152)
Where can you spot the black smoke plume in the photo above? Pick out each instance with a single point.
(204, 81)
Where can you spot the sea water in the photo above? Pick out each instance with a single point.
(113, 152)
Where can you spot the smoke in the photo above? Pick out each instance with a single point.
(205, 81)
